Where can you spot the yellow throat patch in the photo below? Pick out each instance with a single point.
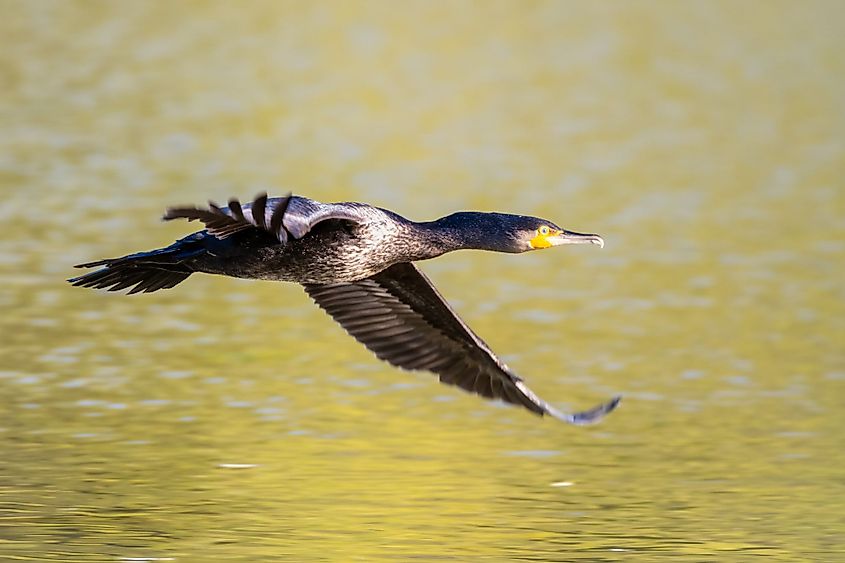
(541, 240)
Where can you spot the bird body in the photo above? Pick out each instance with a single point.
(356, 262)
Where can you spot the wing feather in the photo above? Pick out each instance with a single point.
(258, 211)
(237, 211)
(277, 219)
(400, 317)
(289, 216)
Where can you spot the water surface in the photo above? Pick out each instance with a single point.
(228, 420)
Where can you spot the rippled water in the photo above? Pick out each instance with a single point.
(229, 420)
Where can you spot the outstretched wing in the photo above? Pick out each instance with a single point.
(399, 316)
(283, 217)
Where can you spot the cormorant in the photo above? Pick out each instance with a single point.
(356, 262)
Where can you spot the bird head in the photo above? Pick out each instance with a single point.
(545, 234)
(504, 232)
(533, 233)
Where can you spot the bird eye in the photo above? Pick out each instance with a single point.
(544, 230)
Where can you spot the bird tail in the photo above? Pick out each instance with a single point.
(144, 271)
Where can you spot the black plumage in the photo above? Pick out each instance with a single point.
(355, 261)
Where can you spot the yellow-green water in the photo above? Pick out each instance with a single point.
(705, 141)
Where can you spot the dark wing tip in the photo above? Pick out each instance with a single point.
(590, 416)
(236, 209)
(92, 264)
(582, 418)
(277, 226)
(258, 210)
(189, 213)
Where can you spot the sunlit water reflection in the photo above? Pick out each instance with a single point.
(231, 420)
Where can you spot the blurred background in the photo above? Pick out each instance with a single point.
(228, 420)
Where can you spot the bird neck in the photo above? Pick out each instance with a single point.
(463, 231)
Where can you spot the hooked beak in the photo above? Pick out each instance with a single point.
(569, 237)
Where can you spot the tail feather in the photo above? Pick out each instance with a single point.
(94, 264)
(143, 272)
(145, 279)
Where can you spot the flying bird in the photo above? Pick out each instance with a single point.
(356, 261)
